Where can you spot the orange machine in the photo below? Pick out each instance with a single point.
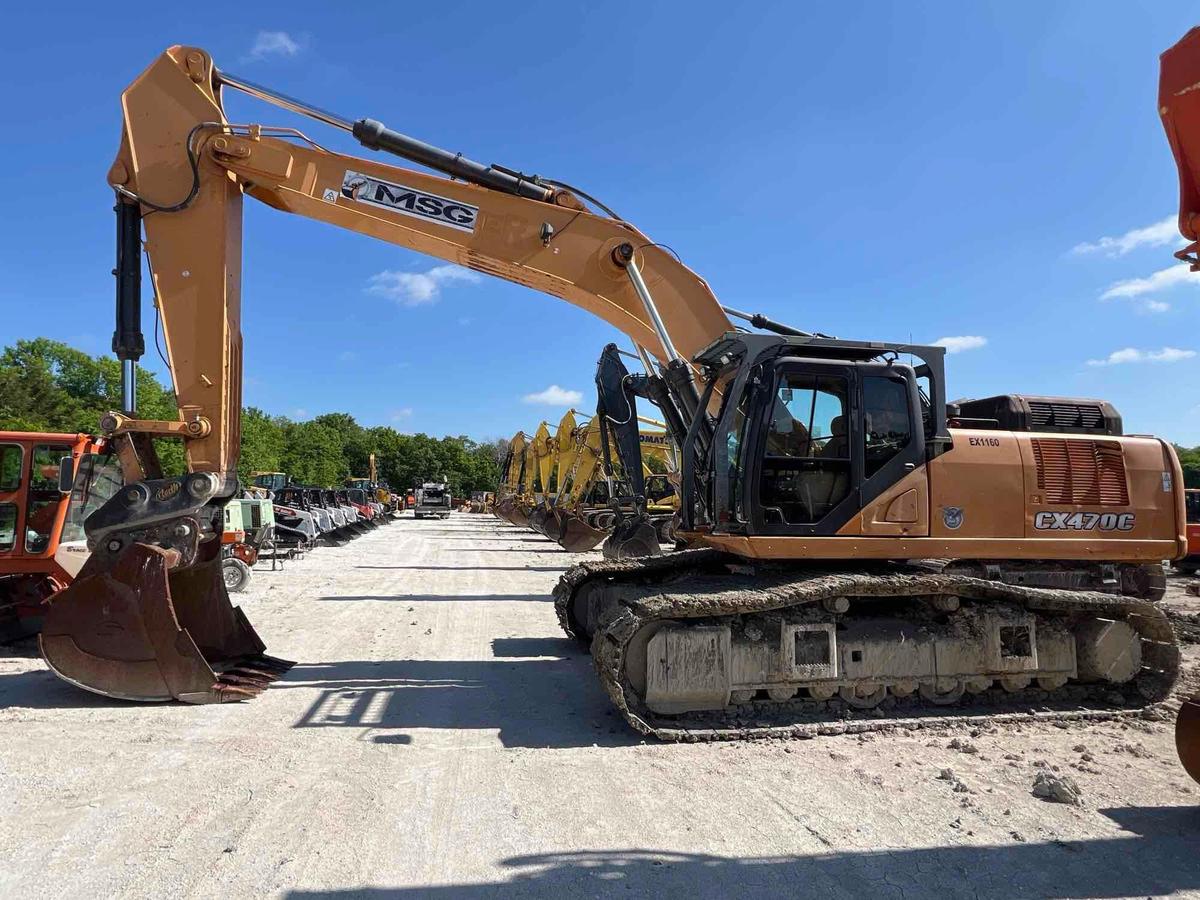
(36, 474)
(1190, 564)
(856, 539)
(1179, 107)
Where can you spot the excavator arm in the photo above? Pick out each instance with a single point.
(149, 617)
(186, 168)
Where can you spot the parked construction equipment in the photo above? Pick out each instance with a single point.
(42, 545)
(433, 499)
(1179, 108)
(815, 472)
(249, 527)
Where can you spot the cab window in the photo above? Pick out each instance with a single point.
(808, 418)
(11, 457)
(43, 474)
(8, 526)
(887, 426)
(733, 444)
(44, 496)
(1192, 501)
(806, 463)
(96, 482)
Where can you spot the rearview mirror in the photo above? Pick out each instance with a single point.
(66, 474)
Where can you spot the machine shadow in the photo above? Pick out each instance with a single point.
(441, 598)
(472, 568)
(549, 548)
(526, 647)
(1110, 867)
(533, 703)
(42, 689)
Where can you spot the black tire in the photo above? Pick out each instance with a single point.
(236, 574)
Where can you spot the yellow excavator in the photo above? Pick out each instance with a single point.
(855, 541)
(551, 468)
(534, 468)
(511, 477)
(583, 464)
(1179, 108)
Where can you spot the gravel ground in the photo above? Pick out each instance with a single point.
(439, 737)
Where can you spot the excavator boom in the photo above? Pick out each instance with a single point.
(180, 176)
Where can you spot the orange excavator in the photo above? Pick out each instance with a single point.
(41, 524)
(1179, 108)
(855, 542)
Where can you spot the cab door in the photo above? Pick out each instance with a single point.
(46, 502)
(805, 475)
(14, 465)
(829, 439)
(895, 488)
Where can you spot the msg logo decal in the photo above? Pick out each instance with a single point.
(1083, 521)
(409, 201)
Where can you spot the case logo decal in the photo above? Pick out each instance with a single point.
(952, 517)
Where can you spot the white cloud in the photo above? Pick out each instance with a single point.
(961, 342)
(347, 356)
(418, 288)
(1157, 235)
(1156, 282)
(1133, 355)
(399, 415)
(300, 413)
(554, 396)
(465, 320)
(274, 43)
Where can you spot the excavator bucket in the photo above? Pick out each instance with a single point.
(138, 631)
(552, 524)
(575, 535)
(632, 537)
(539, 517)
(1187, 736)
(504, 509)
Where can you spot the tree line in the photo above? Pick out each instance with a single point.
(47, 385)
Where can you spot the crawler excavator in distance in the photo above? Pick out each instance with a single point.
(855, 540)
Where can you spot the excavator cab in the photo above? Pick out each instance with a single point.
(819, 442)
(811, 431)
(271, 481)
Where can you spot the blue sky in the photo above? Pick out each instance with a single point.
(994, 173)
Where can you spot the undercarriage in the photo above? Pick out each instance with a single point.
(702, 645)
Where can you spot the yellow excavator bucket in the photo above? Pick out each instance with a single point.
(554, 466)
(506, 498)
(578, 464)
(134, 629)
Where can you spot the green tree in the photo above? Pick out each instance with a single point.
(46, 385)
(1189, 459)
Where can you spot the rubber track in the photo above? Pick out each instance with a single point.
(735, 594)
